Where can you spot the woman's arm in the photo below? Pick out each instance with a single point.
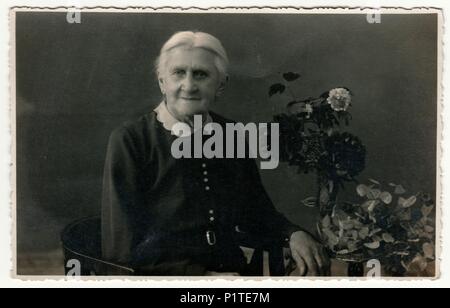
(120, 195)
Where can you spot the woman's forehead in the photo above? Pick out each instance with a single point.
(198, 58)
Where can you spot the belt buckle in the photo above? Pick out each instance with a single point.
(211, 238)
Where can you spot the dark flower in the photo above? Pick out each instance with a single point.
(291, 140)
(345, 156)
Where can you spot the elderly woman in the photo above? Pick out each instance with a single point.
(167, 216)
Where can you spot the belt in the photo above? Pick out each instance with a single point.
(211, 238)
(196, 238)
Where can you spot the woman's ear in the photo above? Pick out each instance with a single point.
(161, 84)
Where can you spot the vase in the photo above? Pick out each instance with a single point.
(355, 269)
(355, 265)
(326, 194)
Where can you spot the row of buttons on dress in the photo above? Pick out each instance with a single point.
(207, 188)
(210, 235)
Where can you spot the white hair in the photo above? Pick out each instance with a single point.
(195, 40)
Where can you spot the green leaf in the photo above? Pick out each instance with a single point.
(373, 194)
(352, 246)
(375, 231)
(424, 220)
(418, 264)
(341, 229)
(326, 222)
(364, 233)
(276, 88)
(399, 190)
(370, 205)
(348, 225)
(401, 253)
(407, 203)
(343, 252)
(291, 76)
(374, 245)
(335, 221)
(388, 238)
(414, 240)
(357, 224)
(406, 267)
(373, 204)
(339, 213)
(362, 190)
(386, 197)
(324, 196)
(333, 240)
(377, 238)
(374, 181)
(359, 215)
(426, 210)
(429, 229)
(405, 215)
(428, 250)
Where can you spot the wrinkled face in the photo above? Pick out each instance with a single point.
(190, 81)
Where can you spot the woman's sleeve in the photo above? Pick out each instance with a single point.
(120, 196)
(259, 215)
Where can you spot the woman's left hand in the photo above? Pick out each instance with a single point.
(310, 256)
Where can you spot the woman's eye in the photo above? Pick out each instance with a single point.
(179, 72)
(200, 74)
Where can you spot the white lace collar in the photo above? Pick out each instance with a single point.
(168, 120)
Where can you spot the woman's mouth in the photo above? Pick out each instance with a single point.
(191, 98)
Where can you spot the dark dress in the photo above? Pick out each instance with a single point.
(167, 216)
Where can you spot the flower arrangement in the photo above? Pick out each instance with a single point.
(311, 140)
(386, 222)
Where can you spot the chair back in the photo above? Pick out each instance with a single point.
(81, 241)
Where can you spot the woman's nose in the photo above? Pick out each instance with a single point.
(189, 84)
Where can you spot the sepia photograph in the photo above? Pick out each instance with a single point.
(232, 142)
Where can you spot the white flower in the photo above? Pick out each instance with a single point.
(308, 108)
(339, 99)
